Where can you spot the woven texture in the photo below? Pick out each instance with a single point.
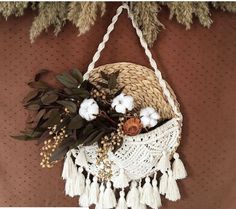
(139, 155)
(141, 83)
(199, 64)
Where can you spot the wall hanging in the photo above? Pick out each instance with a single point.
(118, 127)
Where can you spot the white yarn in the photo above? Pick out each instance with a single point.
(122, 203)
(68, 167)
(79, 182)
(81, 158)
(164, 163)
(163, 183)
(69, 188)
(140, 189)
(121, 181)
(172, 192)
(84, 198)
(147, 195)
(99, 205)
(179, 171)
(94, 191)
(109, 199)
(156, 194)
(133, 196)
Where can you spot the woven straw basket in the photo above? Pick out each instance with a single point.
(140, 157)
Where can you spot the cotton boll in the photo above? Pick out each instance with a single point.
(122, 103)
(149, 117)
(152, 123)
(89, 109)
(120, 109)
(145, 121)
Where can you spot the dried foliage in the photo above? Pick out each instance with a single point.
(50, 13)
(84, 14)
(145, 14)
(12, 8)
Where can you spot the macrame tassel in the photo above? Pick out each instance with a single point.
(84, 198)
(121, 181)
(69, 187)
(140, 189)
(163, 183)
(81, 158)
(179, 171)
(122, 203)
(172, 192)
(79, 182)
(68, 167)
(133, 196)
(109, 199)
(94, 191)
(99, 205)
(164, 163)
(156, 194)
(147, 196)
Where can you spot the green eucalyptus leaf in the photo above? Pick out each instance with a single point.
(23, 137)
(31, 95)
(76, 123)
(38, 85)
(67, 80)
(40, 74)
(33, 107)
(63, 148)
(49, 97)
(77, 75)
(53, 119)
(71, 106)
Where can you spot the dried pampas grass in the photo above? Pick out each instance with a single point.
(84, 14)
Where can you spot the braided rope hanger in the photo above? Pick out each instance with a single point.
(143, 43)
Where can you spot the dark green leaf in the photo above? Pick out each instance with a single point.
(76, 123)
(90, 139)
(23, 137)
(77, 75)
(63, 148)
(54, 119)
(71, 106)
(67, 80)
(31, 95)
(93, 138)
(112, 81)
(33, 107)
(49, 97)
(119, 91)
(102, 84)
(38, 85)
(80, 92)
(67, 91)
(48, 114)
(39, 115)
(40, 74)
(104, 75)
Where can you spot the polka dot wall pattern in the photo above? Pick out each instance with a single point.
(199, 64)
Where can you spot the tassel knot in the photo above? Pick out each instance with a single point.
(133, 196)
(156, 194)
(109, 199)
(122, 203)
(179, 171)
(147, 194)
(164, 163)
(94, 191)
(172, 192)
(121, 181)
(84, 198)
(81, 158)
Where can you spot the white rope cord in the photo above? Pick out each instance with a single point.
(101, 46)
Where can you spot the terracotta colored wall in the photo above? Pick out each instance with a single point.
(199, 65)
